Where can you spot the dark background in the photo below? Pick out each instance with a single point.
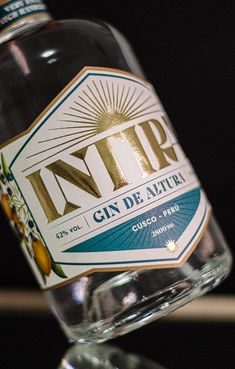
(186, 52)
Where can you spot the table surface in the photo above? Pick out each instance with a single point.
(35, 341)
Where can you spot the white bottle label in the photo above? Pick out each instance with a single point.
(99, 182)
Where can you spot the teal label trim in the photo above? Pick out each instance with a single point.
(159, 225)
(15, 10)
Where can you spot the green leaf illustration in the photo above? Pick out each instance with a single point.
(25, 212)
(6, 170)
(57, 269)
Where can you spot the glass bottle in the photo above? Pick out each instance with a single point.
(39, 57)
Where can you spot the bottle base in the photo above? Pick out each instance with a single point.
(155, 306)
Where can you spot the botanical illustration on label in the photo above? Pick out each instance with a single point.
(99, 182)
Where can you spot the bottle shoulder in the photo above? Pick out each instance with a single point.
(93, 42)
(36, 65)
(61, 34)
(57, 26)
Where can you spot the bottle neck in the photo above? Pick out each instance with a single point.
(17, 16)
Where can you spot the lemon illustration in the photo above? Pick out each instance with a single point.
(6, 206)
(42, 257)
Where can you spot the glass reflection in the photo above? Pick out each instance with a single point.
(103, 357)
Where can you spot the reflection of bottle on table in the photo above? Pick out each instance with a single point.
(103, 356)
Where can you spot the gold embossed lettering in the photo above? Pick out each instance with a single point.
(75, 176)
(142, 159)
(43, 196)
(161, 152)
(70, 174)
(111, 163)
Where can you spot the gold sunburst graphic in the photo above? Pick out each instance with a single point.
(104, 104)
(99, 106)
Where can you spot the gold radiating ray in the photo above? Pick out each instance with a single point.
(110, 101)
(91, 133)
(58, 152)
(117, 97)
(121, 98)
(97, 100)
(92, 102)
(104, 106)
(113, 98)
(137, 111)
(69, 134)
(84, 107)
(129, 101)
(125, 99)
(86, 113)
(78, 121)
(79, 116)
(140, 105)
(58, 128)
(86, 110)
(134, 102)
(104, 93)
(144, 115)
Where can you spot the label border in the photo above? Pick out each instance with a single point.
(88, 71)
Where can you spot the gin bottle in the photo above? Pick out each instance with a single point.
(107, 208)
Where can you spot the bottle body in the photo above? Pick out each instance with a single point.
(114, 304)
(101, 305)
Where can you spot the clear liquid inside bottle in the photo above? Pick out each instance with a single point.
(34, 67)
